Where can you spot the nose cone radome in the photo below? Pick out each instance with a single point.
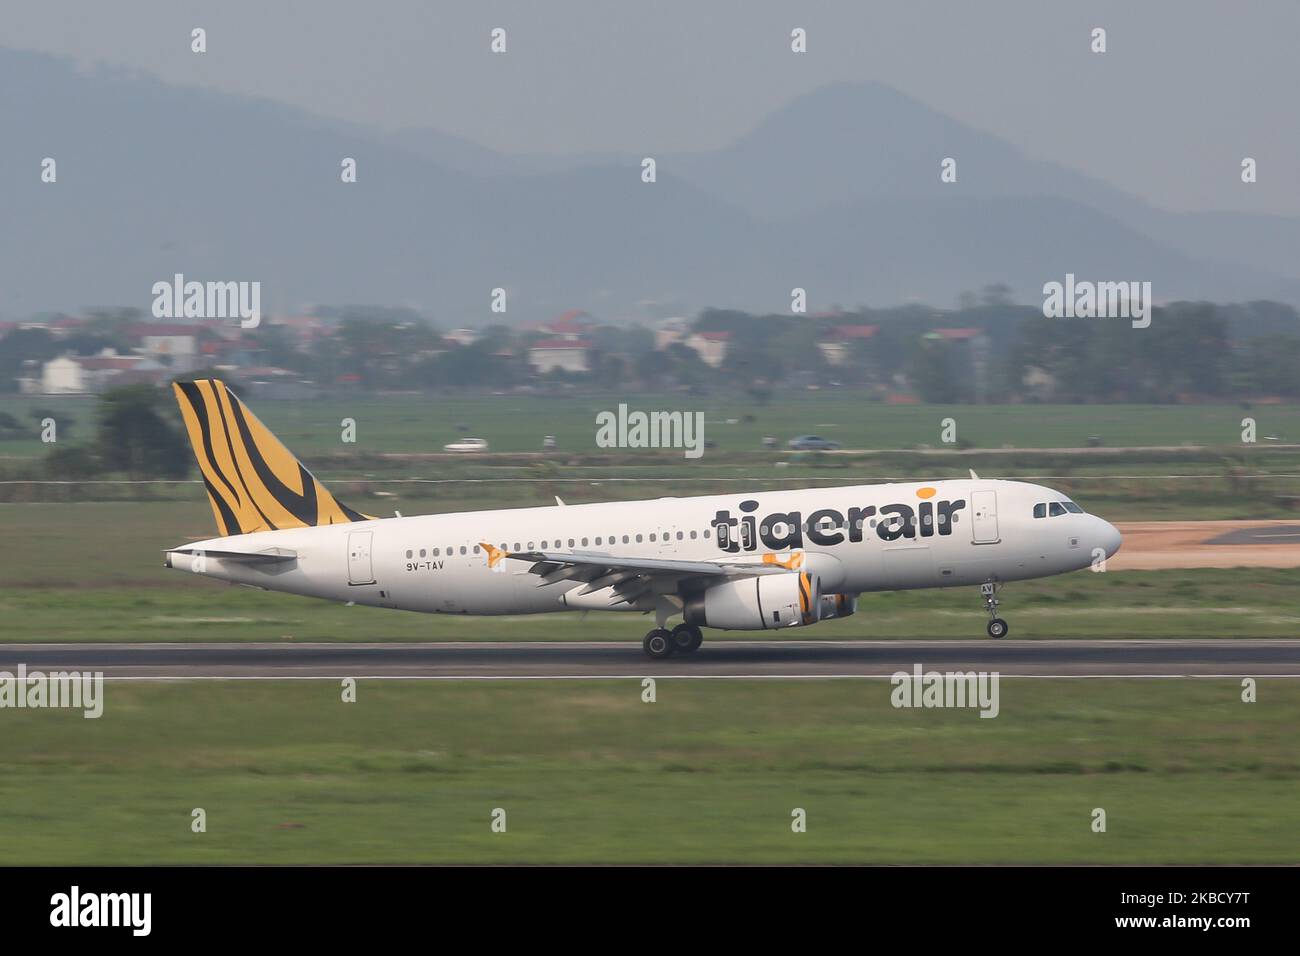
(1109, 538)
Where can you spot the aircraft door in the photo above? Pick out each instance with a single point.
(984, 517)
(360, 567)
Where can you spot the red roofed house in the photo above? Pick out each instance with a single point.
(837, 342)
(568, 355)
(572, 325)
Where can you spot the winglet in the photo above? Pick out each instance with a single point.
(558, 501)
(973, 475)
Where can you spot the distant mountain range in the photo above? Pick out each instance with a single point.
(838, 192)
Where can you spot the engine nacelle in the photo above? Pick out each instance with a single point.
(838, 605)
(762, 602)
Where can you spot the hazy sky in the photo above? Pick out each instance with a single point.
(1186, 89)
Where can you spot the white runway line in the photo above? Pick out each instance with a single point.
(908, 644)
(641, 677)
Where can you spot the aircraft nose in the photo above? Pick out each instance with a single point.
(1109, 538)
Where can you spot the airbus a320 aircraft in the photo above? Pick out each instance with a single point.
(764, 561)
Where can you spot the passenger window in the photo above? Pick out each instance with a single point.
(1040, 510)
(747, 537)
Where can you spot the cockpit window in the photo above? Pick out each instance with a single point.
(1053, 509)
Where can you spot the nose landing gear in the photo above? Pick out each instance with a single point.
(997, 627)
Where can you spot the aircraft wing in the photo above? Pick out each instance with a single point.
(631, 575)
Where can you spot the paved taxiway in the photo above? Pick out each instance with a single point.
(717, 659)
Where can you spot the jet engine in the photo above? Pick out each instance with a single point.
(763, 602)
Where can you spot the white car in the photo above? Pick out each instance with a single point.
(467, 444)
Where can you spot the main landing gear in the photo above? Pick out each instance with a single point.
(661, 642)
(997, 627)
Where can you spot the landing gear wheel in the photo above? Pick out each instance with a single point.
(687, 638)
(658, 644)
(997, 626)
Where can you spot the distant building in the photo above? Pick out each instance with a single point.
(572, 326)
(89, 375)
(174, 345)
(711, 347)
(557, 353)
(671, 331)
(462, 336)
(955, 335)
(837, 343)
(278, 383)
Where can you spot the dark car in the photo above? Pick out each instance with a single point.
(813, 443)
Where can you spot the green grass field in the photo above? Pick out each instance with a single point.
(424, 423)
(1235, 603)
(387, 468)
(412, 772)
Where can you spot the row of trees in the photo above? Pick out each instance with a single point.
(1190, 351)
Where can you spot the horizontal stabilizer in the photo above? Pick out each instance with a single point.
(269, 556)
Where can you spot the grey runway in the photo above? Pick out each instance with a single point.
(717, 659)
(1275, 534)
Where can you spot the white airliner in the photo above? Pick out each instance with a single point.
(759, 561)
